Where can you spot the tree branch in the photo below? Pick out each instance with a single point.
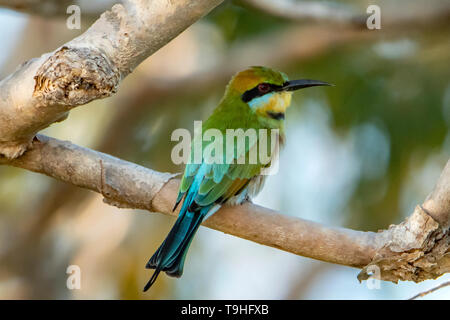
(422, 294)
(335, 12)
(309, 10)
(89, 67)
(125, 184)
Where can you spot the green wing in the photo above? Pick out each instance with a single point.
(219, 182)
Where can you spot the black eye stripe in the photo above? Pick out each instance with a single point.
(276, 115)
(250, 94)
(253, 93)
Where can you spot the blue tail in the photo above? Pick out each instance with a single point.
(171, 254)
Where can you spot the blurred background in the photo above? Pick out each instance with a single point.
(362, 154)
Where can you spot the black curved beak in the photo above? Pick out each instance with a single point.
(293, 85)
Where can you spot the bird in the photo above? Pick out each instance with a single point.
(255, 98)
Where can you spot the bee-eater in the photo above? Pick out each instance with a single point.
(256, 98)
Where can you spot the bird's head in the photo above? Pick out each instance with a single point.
(267, 92)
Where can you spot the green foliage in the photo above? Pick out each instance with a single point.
(238, 24)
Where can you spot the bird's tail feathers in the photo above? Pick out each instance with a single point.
(171, 254)
(152, 280)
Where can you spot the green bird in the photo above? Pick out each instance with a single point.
(256, 98)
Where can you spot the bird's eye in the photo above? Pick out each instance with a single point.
(263, 87)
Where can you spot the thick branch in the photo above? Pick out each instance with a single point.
(125, 184)
(43, 90)
(437, 203)
(89, 67)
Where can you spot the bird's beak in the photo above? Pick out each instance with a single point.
(293, 85)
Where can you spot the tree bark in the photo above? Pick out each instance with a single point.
(417, 249)
(43, 90)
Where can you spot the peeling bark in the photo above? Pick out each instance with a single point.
(75, 76)
(43, 90)
(415, 250)
(91, 66)
(419, 248)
